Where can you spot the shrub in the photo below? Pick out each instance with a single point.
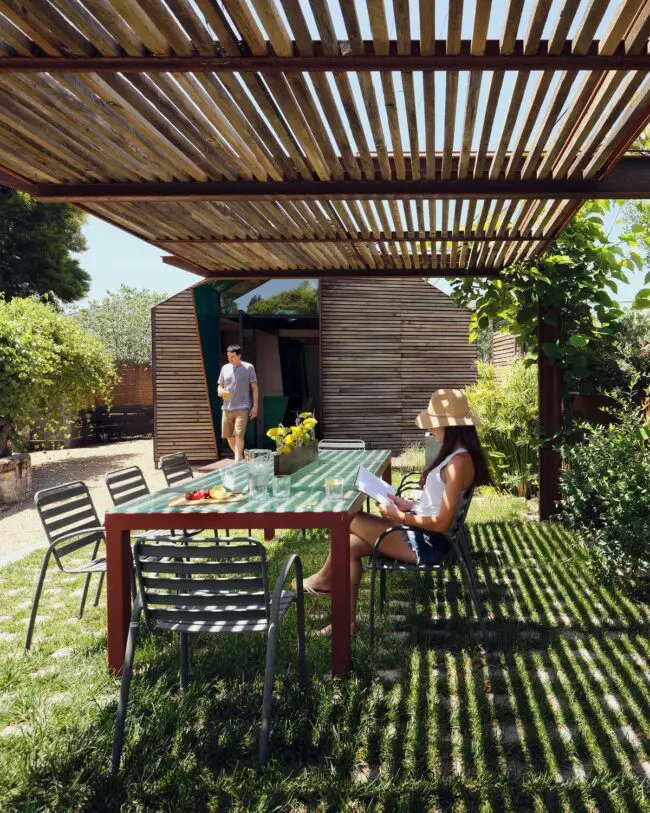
(605, 486)
(49, 366)
(506, 405)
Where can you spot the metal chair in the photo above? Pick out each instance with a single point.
(129, 484)
(126, 484)
(459, 552)
(334, 444)
(220, 586)
(71, 524)
(176, 468)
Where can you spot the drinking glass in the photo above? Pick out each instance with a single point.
(281, 486)
(334, 488)
(259, 463)
(228, 478)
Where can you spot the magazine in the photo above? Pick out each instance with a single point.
(373, 487)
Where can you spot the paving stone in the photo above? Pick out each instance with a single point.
(43, 672)
(509, 733)
(364, 773)
(57, 697)
(398, 636)
(397, 619)
(20, 730)
(389, 675)
(64, 652)
(8, 636)
(627, 733)
(643, 769)
(612, 701)
(564, 733)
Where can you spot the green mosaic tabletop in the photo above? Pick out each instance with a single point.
(307, 488)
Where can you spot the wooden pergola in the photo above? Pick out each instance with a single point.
(258, 139)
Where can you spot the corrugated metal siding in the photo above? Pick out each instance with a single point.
(183, 420)
(386, 345)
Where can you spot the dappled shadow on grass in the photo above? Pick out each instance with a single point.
(553, 714)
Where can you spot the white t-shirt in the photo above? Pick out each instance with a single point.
(434, 487)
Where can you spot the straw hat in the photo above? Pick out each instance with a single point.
(446, 408)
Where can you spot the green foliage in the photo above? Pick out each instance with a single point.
(506, 405)
(122, 321)
(624, 361)
(572, 283)
(637, 222)
(605, 488)
(36, 242)
(302, 300)
(49, 365)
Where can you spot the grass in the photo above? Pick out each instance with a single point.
(554, 714)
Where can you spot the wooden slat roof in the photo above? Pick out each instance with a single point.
(270, 138)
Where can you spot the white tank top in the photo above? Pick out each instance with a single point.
(429, 503)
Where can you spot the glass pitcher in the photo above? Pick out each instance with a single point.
(260, 471)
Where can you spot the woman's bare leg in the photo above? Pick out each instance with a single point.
(365, 529)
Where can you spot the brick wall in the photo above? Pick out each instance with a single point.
(135, 387)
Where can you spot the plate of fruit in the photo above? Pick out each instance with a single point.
(207, 496)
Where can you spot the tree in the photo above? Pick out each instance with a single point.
(122, 321)
(302, 300)
(49, 366)
(571, 284)
(36, 243)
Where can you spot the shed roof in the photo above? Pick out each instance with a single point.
(276, 138)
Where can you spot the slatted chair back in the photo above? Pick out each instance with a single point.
(458, 523)
(64, 510)
(126, 484)
(176, 468)
(335, 444)
(217, 585)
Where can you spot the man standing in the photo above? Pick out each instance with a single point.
(240, 393)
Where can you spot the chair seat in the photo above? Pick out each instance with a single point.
(229, 626)
(95, 566)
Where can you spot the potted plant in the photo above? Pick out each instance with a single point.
(296, 445)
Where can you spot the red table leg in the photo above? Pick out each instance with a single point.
(387, 475)
(118, 591)
(340, 545)
(269, 534)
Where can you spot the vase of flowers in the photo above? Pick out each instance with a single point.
(296, 445)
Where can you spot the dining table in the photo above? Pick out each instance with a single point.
(307, 506)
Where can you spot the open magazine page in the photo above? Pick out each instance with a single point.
(373, 487)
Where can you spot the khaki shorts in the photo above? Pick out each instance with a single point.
(233, 422)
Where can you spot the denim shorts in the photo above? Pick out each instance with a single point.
(430, 548)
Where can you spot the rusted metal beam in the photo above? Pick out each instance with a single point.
(491, 60)
(427, 236)
(629, 179)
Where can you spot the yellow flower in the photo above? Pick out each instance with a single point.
(309, 423)
(274, 432)
(306, 415)
(286, 448)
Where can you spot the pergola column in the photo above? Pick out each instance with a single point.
(549, 384)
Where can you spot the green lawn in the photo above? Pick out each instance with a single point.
(553, 715)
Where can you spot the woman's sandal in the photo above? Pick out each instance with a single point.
(311, 591)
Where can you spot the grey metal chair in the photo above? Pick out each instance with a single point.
(71, 524)
(129, 484)
(459, 552)
(176, 468)
(126, 484)
(220, 586)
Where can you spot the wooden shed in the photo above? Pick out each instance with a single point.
(367, 364)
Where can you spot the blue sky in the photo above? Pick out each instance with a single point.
(115, 257)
